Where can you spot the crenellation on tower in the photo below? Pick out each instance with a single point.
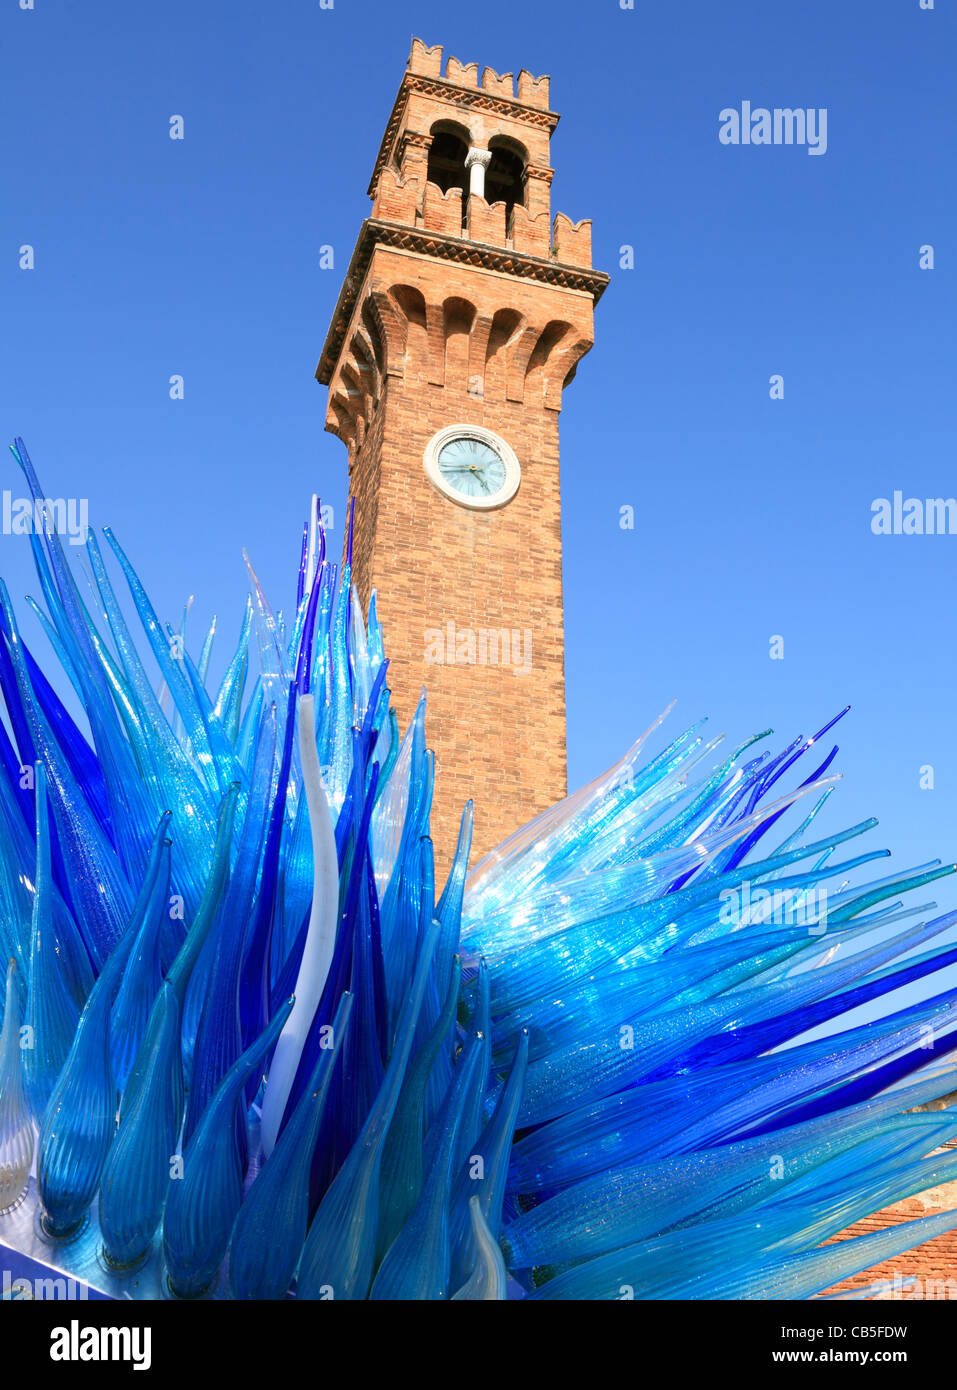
(531, 233)
(397, 196)
(465, 311)
(442, 212)
(425, 61)
(533, 91)
(500, 85)
(485, 222)
(464, 74)
(572, 240)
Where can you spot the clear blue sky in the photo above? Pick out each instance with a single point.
(200, 257)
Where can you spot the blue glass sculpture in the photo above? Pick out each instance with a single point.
(614, 1060)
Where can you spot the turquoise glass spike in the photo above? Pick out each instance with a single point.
(274, 1217)
(16, 1122)
(51, 1013)
(203, 1202)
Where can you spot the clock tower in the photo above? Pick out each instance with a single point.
(463, 315)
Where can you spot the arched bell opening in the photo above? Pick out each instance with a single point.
(505, 176)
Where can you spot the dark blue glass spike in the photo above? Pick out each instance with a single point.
(254, 993)
(76, 750)
(13, 704)
(362, 1058)
(378, 964)
(862, 1088)
(756, 1038)
(304, 663)
(12, 773)
(770, 780)
(340, 970)
(321, 559)
(748, 844)
(303, 557)
(289, 972)
(219, 1036)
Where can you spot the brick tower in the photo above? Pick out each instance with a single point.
(463, 315)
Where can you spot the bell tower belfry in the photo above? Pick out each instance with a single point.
(464, 313)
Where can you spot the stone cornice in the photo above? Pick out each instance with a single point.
(462, 96)
(446, 248)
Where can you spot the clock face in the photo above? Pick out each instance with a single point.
(472, 466)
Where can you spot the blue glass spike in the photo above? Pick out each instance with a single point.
(142, 977)
(143, 1156)
(51, 1013)
(219, 1034)
(485, 1180)
(274, 1217)
(202, 1205)
(418, 1264)
(402, 1165)
(254, 984)
(339, 1252)
(80, 1119)
(16, 1122)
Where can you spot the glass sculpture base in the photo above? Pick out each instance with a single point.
(33, 1265)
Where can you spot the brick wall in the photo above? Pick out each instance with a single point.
(465, 347)
(933, 1263)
